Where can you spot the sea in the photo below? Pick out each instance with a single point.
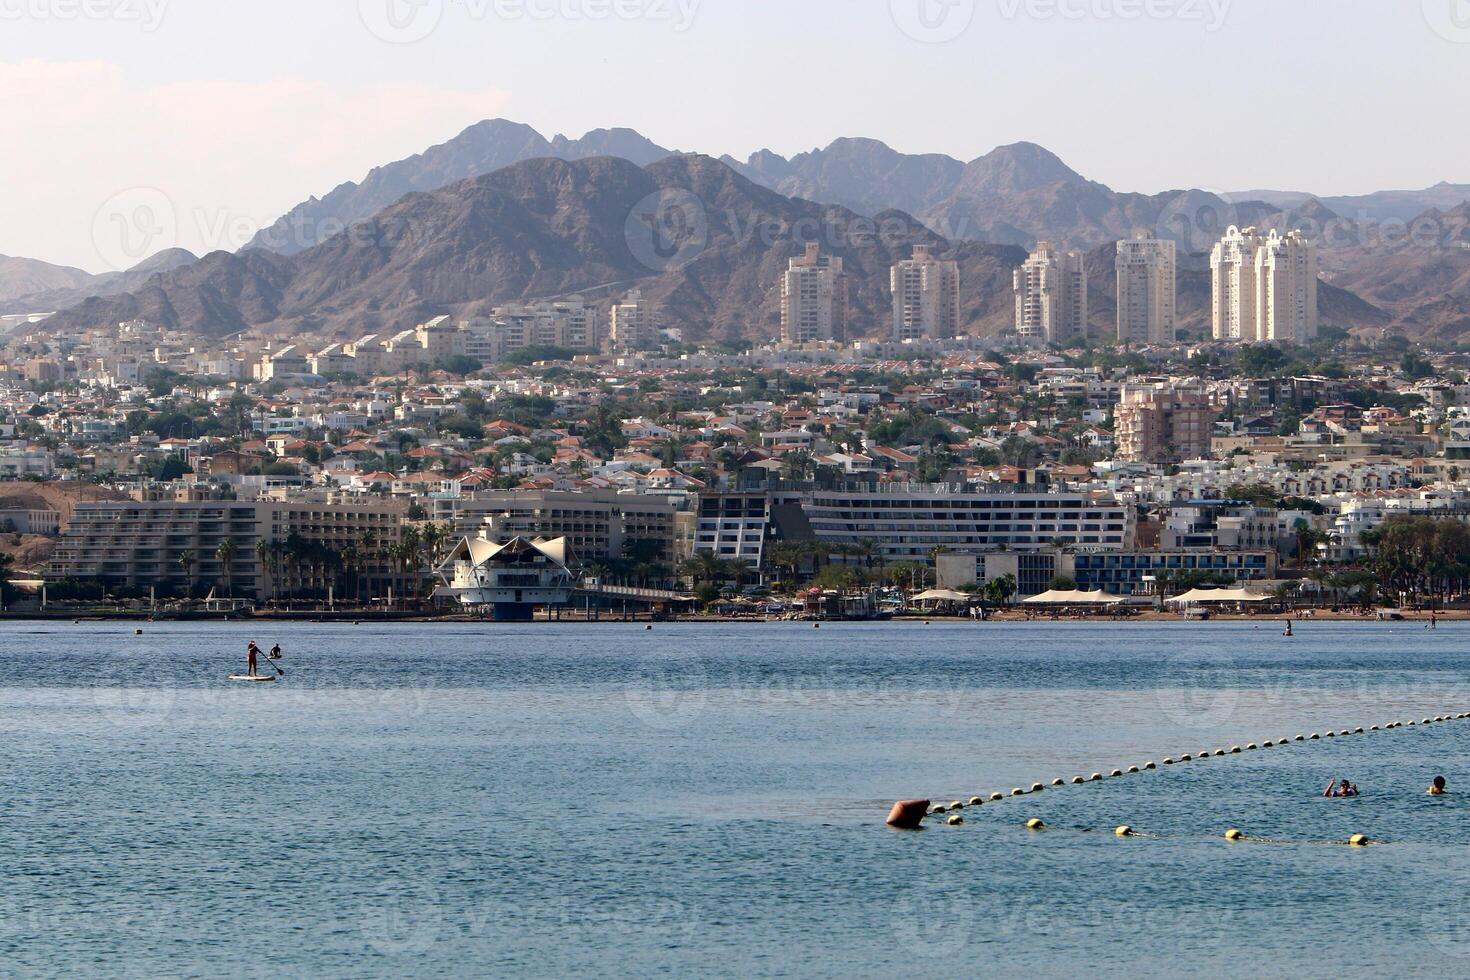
(708, 799)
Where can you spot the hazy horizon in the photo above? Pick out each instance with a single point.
(225, 114)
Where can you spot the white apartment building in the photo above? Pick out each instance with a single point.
(633, 324)
(1233, 285)
(813, 299)
(1051, 296)
(1286, 288)
(1146, 291)
(570, 325)
(1263, 288)
(926, 297)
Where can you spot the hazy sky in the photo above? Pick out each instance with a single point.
(215, 116)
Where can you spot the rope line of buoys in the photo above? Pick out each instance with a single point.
(924, 809)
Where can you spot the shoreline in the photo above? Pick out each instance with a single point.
(1299, 617)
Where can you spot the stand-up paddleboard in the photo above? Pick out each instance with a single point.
(252, 677)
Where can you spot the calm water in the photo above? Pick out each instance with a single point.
(706, 799)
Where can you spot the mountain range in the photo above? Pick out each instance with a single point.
(501, 213)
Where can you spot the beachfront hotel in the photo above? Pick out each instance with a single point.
(907, 521)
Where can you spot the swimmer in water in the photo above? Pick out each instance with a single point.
(1437, 786)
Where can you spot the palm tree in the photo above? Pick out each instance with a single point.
(186, 562)
(263, 556)
(703, 566)
(225, 552)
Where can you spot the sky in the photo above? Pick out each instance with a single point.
(200, 121)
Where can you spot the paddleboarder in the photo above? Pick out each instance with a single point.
(251, 653)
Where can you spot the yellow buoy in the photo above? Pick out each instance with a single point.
(1078, 780)
(1235, 750)
(1358, 840)
(1299, 738)
(1267, 744)
(1123, 831)
(137, 632)
(1095, 776)
(1133, 769)
(1220, 752)
(1184, 757)
(1250, 746)
(1059, 781)
(996, 796)
(1168, 760)
(1149, 765)
(1357, 731)
(976, 801)
(1373, 728)
(1330, 734)
(937, 808)
(1018, 791)
(956, 805)
(1035, 824)
(1037, 787)
(1116, 772)
(1233, 834)
(955, 820)
(1314, 736)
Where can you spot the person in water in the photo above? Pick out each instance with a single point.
(1340, 787)
(251, 653)
(275, 653)
(1437, 786)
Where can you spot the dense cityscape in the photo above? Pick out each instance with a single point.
(1277, 452)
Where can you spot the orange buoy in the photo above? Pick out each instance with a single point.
(907, 814)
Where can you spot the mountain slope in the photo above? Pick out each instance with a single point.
(544, 228)
(26, 277)
(74, 286)
(483, 148)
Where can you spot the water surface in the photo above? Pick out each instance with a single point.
(546, 799)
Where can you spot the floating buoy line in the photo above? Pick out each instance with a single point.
(909, 814)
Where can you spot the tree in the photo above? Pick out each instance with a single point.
(186, 562)
(1062, 583)
(225, 553)
(999, 590)
(263, 555)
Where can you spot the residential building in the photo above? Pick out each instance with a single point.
(633, 324)
(1264, 288)
(926, 297)
(1233, 285)
(1286, 288)
(1051, 296)
(1146, 291)
(1157, 423)
(813, 299)
(570, 325)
